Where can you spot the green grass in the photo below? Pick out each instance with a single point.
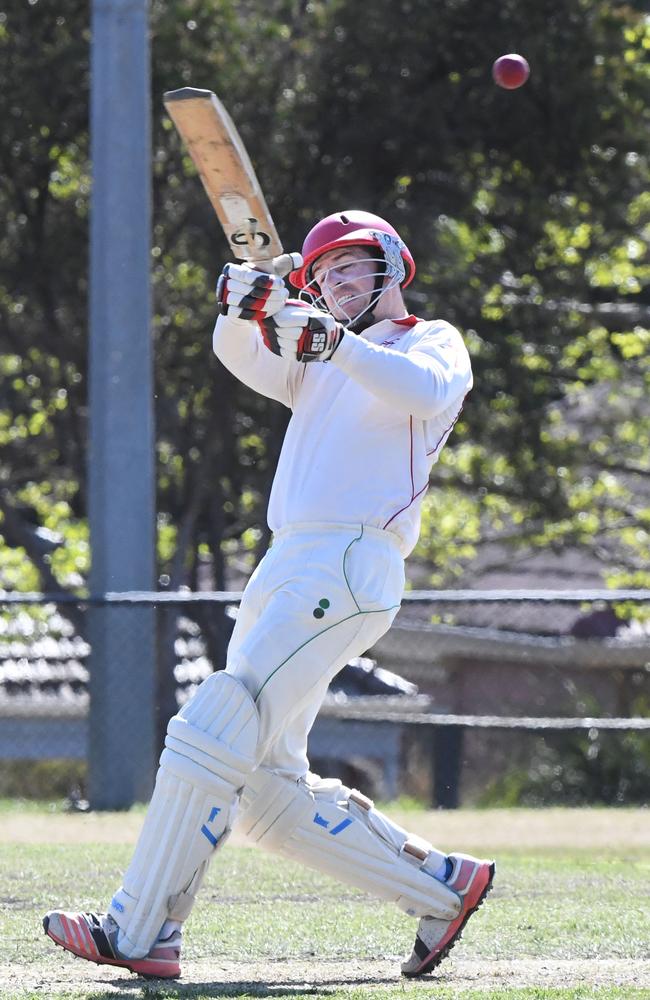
(284, 931)
(12, 807)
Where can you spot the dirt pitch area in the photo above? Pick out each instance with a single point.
(219, 978)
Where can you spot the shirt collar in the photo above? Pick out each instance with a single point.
(379, 331)
(410, 320)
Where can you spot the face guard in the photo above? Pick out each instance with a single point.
(388, 272)
(345, 229)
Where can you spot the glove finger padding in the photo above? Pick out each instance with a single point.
(302, 333)
(244, 293)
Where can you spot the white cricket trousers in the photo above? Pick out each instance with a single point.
(322, 594)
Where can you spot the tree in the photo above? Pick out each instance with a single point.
(527, 213)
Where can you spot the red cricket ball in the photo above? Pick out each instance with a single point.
(510, 71)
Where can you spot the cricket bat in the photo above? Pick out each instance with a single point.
(229, 179)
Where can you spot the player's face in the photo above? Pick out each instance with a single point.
(346, 279)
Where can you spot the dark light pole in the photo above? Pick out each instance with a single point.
(121, 454)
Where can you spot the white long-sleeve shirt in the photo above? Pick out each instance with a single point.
(366, 427)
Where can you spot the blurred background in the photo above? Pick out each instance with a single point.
(528, 214)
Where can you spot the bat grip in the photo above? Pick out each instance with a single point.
(287, 262)
(278, 265)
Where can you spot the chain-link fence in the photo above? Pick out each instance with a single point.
(471, 696)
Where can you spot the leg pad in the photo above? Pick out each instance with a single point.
(338, 831)
(209, 753)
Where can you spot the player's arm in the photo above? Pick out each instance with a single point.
(245, 298)
(424, 381)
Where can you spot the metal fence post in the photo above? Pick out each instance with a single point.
(121, 458)
(447, 757)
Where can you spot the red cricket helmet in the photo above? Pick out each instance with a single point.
(351, 228)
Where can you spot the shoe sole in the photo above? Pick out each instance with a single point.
(434, 958)
(120, 963)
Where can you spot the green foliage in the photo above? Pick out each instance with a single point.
(41, 779)
(528, 214)
(568, 769)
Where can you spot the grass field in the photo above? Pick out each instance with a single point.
(569, 916)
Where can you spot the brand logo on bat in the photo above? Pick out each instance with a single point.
(241, 238)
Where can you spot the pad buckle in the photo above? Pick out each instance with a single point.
(360, 799)
(415, 851)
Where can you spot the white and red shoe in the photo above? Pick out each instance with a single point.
(93, 936)
(472, 880)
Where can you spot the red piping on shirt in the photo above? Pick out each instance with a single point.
(412, 500)
(414, 495)
(450, 428)
(411, 460)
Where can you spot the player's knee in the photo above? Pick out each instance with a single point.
(274, 805)
(214, 737)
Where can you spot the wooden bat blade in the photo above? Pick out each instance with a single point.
(226, 171)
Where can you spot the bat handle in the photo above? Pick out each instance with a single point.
(278, 265)
(287, 262)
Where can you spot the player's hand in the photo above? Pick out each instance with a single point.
(244, 293)
(302, 333)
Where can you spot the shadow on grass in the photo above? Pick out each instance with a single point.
(139, 990)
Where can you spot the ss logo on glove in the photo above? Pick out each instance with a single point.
(301, 333)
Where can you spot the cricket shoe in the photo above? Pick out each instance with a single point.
(471, 879)
(94, 936)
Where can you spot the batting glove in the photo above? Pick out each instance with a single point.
(244, 293)
(302, 333)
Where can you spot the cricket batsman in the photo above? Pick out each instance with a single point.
(374, 394)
